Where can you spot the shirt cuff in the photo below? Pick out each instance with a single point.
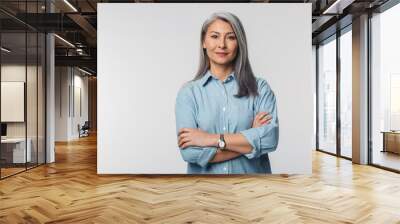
(254, 140)
(206, 155)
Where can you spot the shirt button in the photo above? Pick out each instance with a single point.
(223, 108)
(224, 168)
(224, 128)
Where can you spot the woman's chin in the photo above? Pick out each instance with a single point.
(222, 62)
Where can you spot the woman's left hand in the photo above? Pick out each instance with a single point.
(195, 137)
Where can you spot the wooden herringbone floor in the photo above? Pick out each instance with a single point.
(70, 191)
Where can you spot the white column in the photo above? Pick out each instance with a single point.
(360, 90)
(50, 110)
(50, 92)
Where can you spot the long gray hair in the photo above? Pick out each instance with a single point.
(244, 75)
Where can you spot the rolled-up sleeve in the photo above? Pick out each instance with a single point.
(263, 139)
(185, 116)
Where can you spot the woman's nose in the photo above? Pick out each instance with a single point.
(221, 43)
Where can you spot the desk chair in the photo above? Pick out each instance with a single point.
(84, 130)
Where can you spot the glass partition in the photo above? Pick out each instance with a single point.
(32, 95)
(33, 72)
(41, 107)
(13, 109)
(22, 78)
(327, 96)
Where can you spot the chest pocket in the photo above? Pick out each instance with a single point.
(241, 114)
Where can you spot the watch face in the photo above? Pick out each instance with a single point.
(221, 144)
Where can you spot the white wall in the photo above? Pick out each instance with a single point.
(61, 103)
(68, 80)
(147, 51)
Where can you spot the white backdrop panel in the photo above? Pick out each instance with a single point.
(147, 51)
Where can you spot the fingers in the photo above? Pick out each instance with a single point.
(183, 135)
(183, 141)
(266, 118)
(263, 115)
(259, 115)
(257, 118)
(266, 121)
(183, 130)
(262, 118)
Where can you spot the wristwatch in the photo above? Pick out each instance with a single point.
(221, 142)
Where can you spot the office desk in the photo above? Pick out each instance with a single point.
(15, 148)
(391, 141)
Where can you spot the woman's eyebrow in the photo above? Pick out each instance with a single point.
(219, 33)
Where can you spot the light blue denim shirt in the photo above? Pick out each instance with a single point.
(210, 104)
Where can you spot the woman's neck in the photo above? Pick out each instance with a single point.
(221, 72)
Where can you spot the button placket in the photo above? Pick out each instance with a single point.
(224, 107)
(225, 122)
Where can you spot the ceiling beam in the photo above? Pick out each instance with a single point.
(86, 26)
(85, 61)
(337, 7)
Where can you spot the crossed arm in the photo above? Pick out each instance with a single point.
(199, 147)
(236, 144)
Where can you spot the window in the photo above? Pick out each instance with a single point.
(346, 93)
(327, 96)
(385, 88)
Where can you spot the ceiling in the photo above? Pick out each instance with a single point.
(76, 22)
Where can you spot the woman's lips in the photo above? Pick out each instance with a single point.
(222, 54)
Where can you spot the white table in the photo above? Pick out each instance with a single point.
(19, 149)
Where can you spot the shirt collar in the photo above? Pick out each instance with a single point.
(209, 75)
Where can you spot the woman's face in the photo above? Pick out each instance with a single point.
(220, 43)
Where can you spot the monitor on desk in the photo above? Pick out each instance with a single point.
(3, 130)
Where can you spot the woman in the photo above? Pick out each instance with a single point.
(226, 118)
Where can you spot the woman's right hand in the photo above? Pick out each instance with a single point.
(261, 119)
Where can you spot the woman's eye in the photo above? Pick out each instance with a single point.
(232, 38)
(214, 36)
